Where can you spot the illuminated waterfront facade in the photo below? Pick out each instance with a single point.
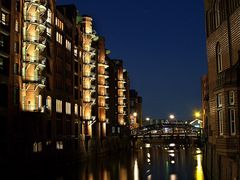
(54, 83)
(221, 95)
(119, 97)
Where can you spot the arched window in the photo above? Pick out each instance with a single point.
(217, 13)
(219, 58)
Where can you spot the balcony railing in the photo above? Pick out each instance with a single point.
(35, 39)
(35, 19)
(230, 76)
(35, 80)
(35, 60)
(40, 2)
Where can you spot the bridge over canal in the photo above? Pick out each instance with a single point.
(166, 133)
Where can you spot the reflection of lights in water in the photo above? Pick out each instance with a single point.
(172, 154)
(171, 144)
(173, 177)
(198, 151)
(147, 145)
(123, 173)
(172, 162)
(171, 151)
(148, 160)
(149, 177)
(148, 155)
(199, 171)
(165, 148)
(136, 170)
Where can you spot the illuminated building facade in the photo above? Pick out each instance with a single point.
(118, 96)
(102, 80)
(54, 83)
(223, 47)
(88, 53)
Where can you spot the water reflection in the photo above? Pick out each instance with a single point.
(157, 162)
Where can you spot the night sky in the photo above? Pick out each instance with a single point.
(162, 45)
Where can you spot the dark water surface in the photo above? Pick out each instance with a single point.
(155, 163)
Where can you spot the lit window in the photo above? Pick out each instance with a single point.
(68, 108)
(219, 58)
(49, 15)
(68, 45)
(58, 106)
(75, 51)
(76, 109)
(16, 25)
(49, 103)
(232, 121)
(231, 97)
(59, 23)
(49, 31)
(219, 100)
(80, 111)
(59, 145)
(58, 37)
(37, 147)
(4, 19)
(220, 122)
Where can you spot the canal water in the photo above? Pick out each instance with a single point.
(148, 163)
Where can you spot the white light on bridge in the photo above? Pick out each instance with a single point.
(172, 162)
(147, 145)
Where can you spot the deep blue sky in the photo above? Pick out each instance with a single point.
(162, 44)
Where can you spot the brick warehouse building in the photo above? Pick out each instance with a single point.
(222, 93)
(53, 83)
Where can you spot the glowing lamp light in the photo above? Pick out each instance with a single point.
(197, 114)
(171, 116)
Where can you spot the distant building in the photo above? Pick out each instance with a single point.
(135, 109)
(222, 94)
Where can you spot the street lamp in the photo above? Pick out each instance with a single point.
(171, 116)
(148, 120)
(135, 114)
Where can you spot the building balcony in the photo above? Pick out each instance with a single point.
(122, 105)
(34, 80)
(104, 64)
(39, 5)
(91, 100)
(121, 88)
(228, 77)
(39, 2)
(92, 118)
(122, 97)
(89, 35)
(37, 60)
(106, 85)
(121, 81)
(36, 20)
(38, 41)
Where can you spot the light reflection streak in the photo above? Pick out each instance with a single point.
(136, 170)
(199, 170)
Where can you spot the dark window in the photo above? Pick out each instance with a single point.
(76, 94)
(16, 96)
(4, 66)
(4, 95)
(4, 43)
